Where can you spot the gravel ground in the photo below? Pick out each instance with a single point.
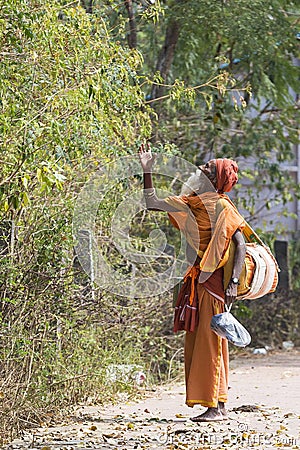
(264, 413)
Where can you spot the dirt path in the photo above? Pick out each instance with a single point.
(264, 413)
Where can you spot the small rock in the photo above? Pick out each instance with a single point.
(288, 345)
(259, 351)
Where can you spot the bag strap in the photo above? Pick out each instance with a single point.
(248, 232)
(228, 308)
(251, 236)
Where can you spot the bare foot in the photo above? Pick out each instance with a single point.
(224, 414)
(210, 415)
(223, 411)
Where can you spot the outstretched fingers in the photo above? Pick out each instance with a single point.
(145, 148)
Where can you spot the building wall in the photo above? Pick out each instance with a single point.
(282, 219)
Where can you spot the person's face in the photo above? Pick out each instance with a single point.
(209, 169)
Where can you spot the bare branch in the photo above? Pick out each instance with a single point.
(132, 36)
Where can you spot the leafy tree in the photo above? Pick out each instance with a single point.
(70, 101)
(252, 50)
(80, 86)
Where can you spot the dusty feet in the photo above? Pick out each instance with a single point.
(222, 409)
(212, 414)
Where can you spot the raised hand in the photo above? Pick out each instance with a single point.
(146, 158)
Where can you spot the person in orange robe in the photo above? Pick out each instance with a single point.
(209, 222)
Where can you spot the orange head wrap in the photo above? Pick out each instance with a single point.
(226, 174)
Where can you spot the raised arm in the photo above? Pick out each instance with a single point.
(147, 160)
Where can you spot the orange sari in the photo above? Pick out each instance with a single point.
(208, 222)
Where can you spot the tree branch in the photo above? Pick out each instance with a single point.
(166, 56)
(88, 6)
(132, 36)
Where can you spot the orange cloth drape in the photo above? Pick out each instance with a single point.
(228, 221)
(206, 357)
(186, 315)
(208, 221)
(195, 217)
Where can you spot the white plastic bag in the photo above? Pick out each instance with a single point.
(228, 327)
